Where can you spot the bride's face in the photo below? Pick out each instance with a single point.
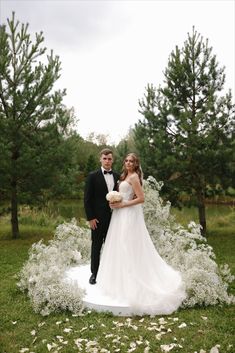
(129, 164)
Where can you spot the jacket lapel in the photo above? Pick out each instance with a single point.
(102, 180)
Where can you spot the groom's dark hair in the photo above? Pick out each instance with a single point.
(106, 151)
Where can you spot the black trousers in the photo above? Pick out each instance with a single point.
(97, 239)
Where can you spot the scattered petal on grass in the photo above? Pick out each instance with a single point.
(83, 329)
(33, 332)
(215, 349)
(139, 342)
(141, 320)
(14, 322)
(146, 350)
(128, 320)
(162, 321)
(202, 351)
(175, 319)
(169, 347)
(134, 327)
(91, 343)
(58, 322)
(79, 341)
(161, 329)
(133, 345)
(67, 330)
(41, 324)
(35, 339)
(109, 335)
(23, 350)
(204, 317)
(116, 340)
(153, 328)
(182, 325)
(50, 346)
(118, 324)
(158, 336)
(132, 348)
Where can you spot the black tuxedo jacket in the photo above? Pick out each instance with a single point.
(95, 203)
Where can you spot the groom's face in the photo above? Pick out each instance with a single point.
(106, 161)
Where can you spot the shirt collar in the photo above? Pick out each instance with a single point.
(105, 169)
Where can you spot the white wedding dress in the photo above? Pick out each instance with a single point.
(132, 276)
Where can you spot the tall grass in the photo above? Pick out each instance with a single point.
(218, 217)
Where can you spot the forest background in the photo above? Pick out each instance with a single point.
(185, 137)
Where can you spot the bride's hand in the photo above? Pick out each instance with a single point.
(116, 204)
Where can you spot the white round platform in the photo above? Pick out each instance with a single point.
(94, 299)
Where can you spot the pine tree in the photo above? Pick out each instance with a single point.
(32, 116)
(185, 137)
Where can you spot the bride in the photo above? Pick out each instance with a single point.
(130, 268)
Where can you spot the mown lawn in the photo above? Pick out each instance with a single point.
(191, 330)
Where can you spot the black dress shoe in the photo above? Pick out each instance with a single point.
(92, 279)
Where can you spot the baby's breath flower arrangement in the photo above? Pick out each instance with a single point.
(42, 276)
(187, 251)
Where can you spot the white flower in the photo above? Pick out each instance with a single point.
(114, 196)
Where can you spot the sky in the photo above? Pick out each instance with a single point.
(110, 50)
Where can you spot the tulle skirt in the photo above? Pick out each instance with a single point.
(131, 269)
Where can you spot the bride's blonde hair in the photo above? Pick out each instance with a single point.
(136, 165)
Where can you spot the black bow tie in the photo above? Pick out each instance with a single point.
(106, 172)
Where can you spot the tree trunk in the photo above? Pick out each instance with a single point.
(201, 211)
(14, 210)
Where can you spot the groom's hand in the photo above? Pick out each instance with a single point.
(93, 223)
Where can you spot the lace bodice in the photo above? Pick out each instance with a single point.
(126, 190)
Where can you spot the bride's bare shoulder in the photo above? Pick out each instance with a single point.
(134, 177)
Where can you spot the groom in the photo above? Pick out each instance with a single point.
(98, 212)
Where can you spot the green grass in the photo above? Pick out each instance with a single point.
(115, 334)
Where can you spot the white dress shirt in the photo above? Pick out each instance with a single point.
(109, 180)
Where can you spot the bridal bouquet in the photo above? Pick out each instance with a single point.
(114, 196)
